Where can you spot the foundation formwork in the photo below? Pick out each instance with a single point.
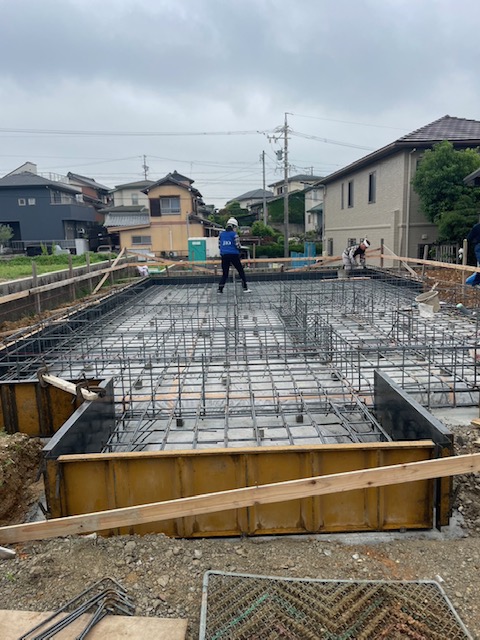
(255, 382)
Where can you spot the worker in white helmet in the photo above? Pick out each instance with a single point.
(354, 255)
(229, 246)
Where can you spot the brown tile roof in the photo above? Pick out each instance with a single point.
(460, 131)
(445, 128)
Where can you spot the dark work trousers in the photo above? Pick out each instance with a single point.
(232, 259)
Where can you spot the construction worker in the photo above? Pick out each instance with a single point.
(229, 246)
(473, 240)
(354, 254)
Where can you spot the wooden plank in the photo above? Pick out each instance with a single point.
(475, 422)
(114, 264)
(244, 497)
(14, 624)
(409, 269)
(69, 387)
(432, 263)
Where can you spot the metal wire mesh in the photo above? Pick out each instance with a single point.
(290, 363)
(247, 607)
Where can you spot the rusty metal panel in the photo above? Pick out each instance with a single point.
(98, 482)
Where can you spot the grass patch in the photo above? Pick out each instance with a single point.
(21, 266)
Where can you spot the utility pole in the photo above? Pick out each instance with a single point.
(285, 185)
(265, 214)
(144, 167)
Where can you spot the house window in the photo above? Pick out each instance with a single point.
(309, 219)
(134, 198)
(342, 196)
(350, 193)
(141, 239)
(22, 202)
(352, 242)
(60, 197)
(170, 205)
(372, 187)
(330, 246)
(32, 201)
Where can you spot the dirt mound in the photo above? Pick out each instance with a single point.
(19, 464)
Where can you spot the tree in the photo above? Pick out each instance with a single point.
(232, 210)
(296, 209)
(262, 230)
(6, 234)
(439, 183)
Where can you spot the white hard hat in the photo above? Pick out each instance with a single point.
(366, 243)
(233, 222)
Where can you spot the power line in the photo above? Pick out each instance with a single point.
(361, 124)
(73, 132)
(342, 144)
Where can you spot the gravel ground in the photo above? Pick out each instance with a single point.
(164, 576)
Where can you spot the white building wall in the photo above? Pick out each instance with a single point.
(123, 197)
(313, 197)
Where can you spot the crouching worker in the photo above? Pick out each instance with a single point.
(355, 255)
(229, 246)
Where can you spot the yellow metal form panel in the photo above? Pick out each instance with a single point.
(35, 410)
(351, 510)
(206, 474)
(26, 408)
(140, 481)
(264, 467)
(445, 489)
(412, 502)
(105, 481)
(63, 405)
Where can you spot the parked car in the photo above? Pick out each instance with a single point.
(105, 248)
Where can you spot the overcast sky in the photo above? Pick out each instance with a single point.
(89, 86)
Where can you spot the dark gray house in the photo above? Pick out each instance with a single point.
(43, 211)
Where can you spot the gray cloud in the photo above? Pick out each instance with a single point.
(234, 65)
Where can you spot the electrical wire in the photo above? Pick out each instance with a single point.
(360, 124)
(73, 132)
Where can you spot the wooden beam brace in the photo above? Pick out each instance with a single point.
(240, 498)
(114, 264)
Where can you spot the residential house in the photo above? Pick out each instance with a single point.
(275, 207)
(373, 197)
(314, 209)
(175, 213)
(128, 211)
(473, 179)
(131, 194)
(94, 193)
(305, 195)
(294, 183)
(40, 210)
(246, 200)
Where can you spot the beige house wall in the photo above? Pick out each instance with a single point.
(170, 232)
(394, 217)
(164, 239)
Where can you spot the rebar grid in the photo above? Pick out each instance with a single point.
(241, 607)
(291, 363)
